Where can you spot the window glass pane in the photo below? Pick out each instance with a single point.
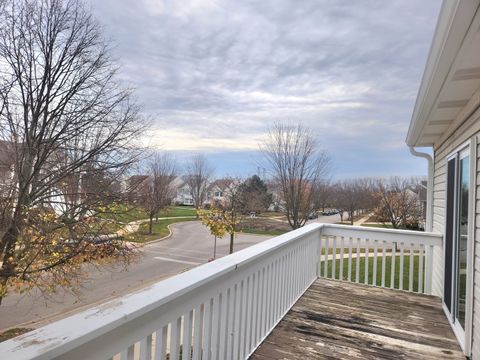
(462, 239)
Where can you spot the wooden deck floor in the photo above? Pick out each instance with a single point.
(339, 320)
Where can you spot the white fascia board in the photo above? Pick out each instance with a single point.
(452, 26)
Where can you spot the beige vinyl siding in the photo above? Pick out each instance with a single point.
(463, 134)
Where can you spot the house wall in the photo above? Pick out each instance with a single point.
(468, 130)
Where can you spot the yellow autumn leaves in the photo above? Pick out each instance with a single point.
(219, 222)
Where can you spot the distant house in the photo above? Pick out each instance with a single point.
(133, 186)
(278, 204)
(7, 163)
(183, 194)
(219, 190)
(57, 198)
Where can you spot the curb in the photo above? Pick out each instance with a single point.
(163, 238)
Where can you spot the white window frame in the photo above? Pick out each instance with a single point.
(464, 336)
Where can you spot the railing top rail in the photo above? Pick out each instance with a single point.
(64, 335)
(406, 236)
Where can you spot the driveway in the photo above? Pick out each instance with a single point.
(190, 245)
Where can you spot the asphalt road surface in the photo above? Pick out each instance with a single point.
(190, 245)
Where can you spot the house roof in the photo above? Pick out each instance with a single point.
(222, 184)
(450, 89)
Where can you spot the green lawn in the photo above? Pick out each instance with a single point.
(160, 230)
(124, 213)
(178, 211)
(388, 266)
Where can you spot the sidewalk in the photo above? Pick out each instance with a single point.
(364, 219)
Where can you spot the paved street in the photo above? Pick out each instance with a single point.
(190, 245)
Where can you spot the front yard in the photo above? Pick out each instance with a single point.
(264, 226)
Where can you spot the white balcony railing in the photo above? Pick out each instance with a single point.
(224, 309)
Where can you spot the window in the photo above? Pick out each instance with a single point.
(457, 238)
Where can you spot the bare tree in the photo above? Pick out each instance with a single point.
(296, 164)
(65, 119)
(322, 194)
(156, 192)
(398, 203)
(351, 196)
(198, 176)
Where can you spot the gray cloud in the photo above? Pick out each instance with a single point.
(214, 74)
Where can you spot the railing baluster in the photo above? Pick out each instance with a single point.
(276, 288)
(402, 246)
(253, 315)
(129, 353)
(392, 267)
(143, 350)
(384, 261)
(243, 319)
(237, 322)
(410, 270)
(222, 340)
(375, 251)
(175, 338)
(428, 268)
(286, 274)
(263, 315)
(420, 268)
(248, 315)
(216, 321)
(319, 261)
(342, 245)
(207, 334)
(350, 241)
(327, 250)
(334, 256)
(367, 253)
(198, 332)
(261, 285)
(187, 335)
(160, 343)
(294, 274)
(281, 283)
(268, 292)
(231, 321)
(357, 262)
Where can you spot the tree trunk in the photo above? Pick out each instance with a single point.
(150, 225)
(7, 269)
(232, 237)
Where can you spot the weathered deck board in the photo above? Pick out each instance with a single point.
(340, 320)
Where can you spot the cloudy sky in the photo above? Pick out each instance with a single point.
(213, 75)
